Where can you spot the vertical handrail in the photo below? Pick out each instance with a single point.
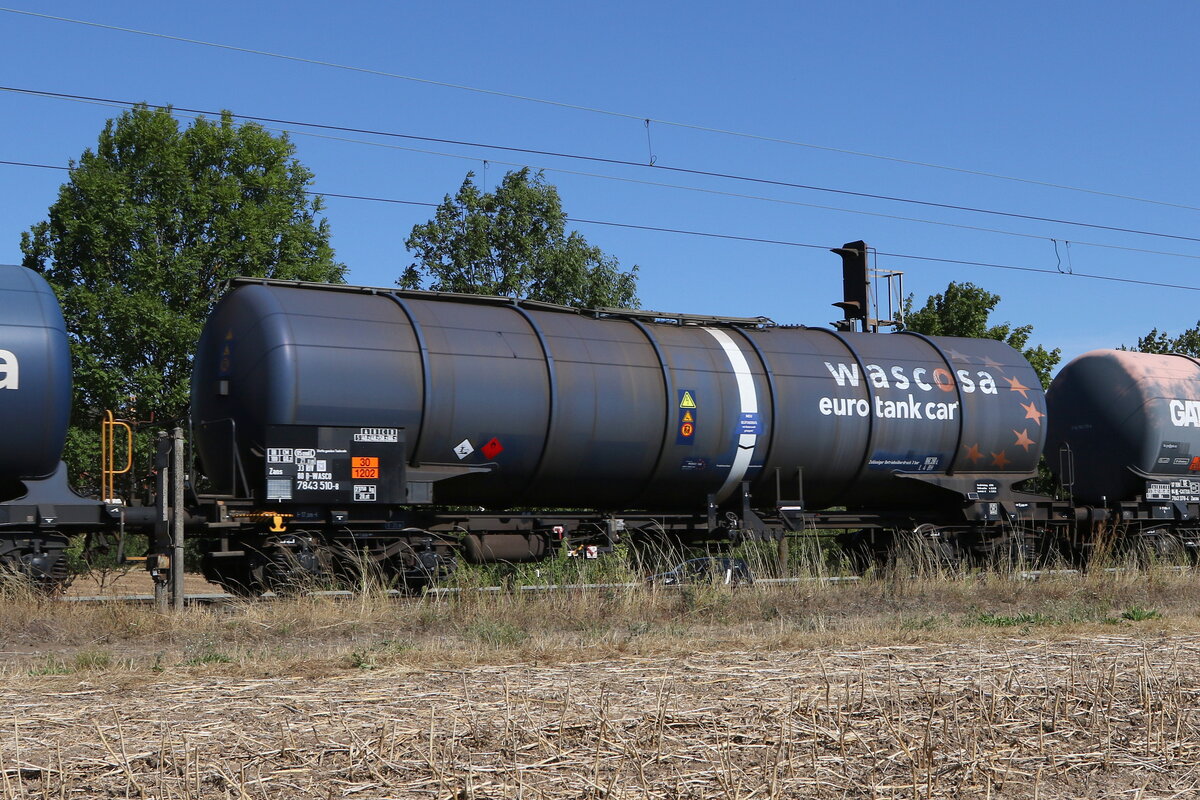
(108, 455)
(1066, 468)
(177, 518)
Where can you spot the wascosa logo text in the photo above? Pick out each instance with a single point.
(923, 379)
(10, 373)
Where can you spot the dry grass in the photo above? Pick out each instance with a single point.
(321, 635)
(971, 685)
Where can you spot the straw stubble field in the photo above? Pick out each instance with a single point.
(1080, 687)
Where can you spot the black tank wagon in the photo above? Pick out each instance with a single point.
(396, 421)
(339, 427)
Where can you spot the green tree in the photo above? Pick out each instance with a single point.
(1157, 341)
(141, 239)
(963, 310)
(513, 243)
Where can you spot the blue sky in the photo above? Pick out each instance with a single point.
(1100, 96)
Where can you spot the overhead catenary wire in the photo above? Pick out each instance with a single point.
(661, 184)
(751, 239)
(737, 195)
(699, 189)
(910, 256)
(618, 161)
(606, 112)
(681, 187)
(36, 166)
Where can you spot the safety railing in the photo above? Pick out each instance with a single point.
(108, 455)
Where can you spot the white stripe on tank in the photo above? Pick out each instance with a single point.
(748, 398)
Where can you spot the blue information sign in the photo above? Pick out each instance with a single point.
(749, 422)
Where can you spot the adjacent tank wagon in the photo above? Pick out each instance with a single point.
(37, 508)
(35, 378)
(1125, 425)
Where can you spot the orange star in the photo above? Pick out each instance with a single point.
(1015, 385)
(1000, 460)
(988, 362)
(974, 455)
(1023, 440)
(954, 354)
(1032, 413)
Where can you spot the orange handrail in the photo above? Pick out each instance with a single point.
(108, 455)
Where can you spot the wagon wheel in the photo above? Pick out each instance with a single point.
(1163, 546)
(1017, 548)
(860, 550)
(926, 549)
(241, 577)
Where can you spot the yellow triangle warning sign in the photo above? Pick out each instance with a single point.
(687, 401)
(687, 417)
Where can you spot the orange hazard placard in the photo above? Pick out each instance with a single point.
(365, 468)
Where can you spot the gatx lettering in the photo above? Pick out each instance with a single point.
(1185, 413)
(10, 371)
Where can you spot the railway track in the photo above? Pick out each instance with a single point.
(212, 598)
(215, 598)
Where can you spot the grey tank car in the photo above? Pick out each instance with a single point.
(1126, 424)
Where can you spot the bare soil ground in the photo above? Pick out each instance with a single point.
(897, 687)
(135, 581)
(1109, 716)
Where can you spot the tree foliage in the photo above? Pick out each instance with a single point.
(1157, 341)
(142, 237)
(513, 242)
(963, 310)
